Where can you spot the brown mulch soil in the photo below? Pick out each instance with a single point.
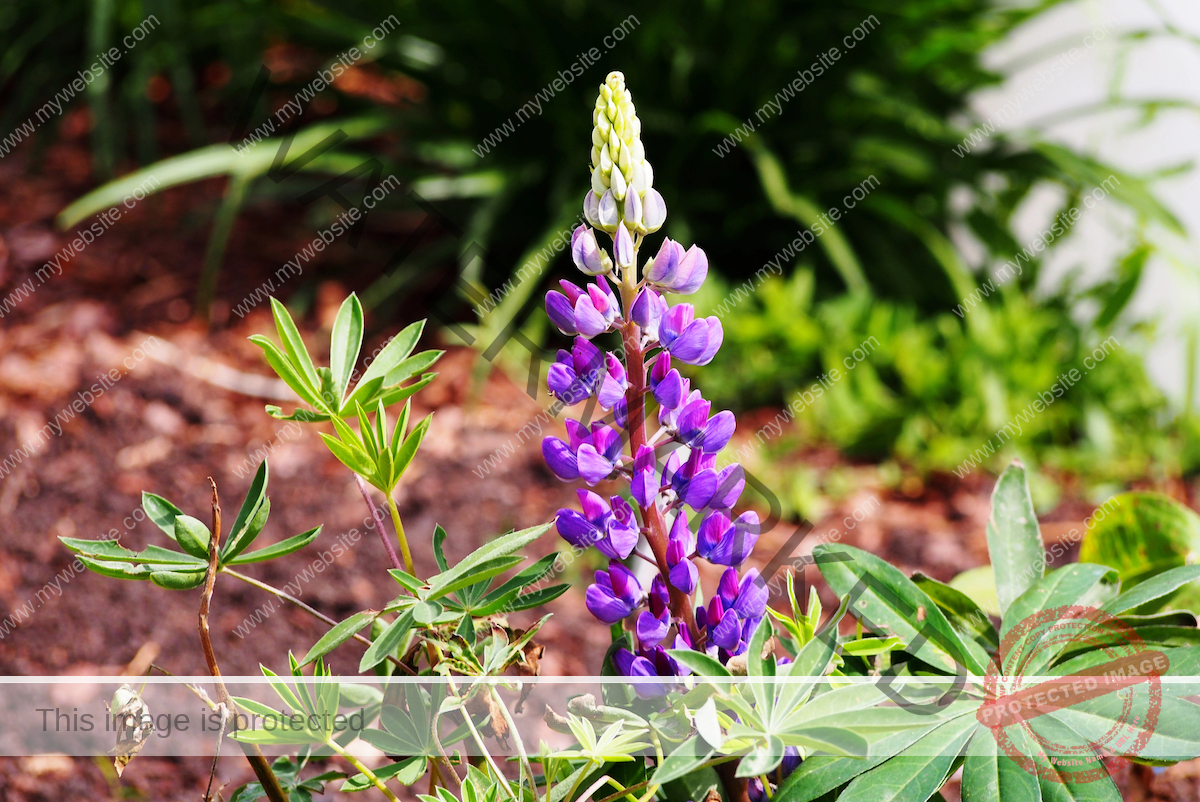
(165, 429)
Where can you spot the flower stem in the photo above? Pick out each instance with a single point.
(378, 516)
(631, 337)
(366, 772)
(408, 560)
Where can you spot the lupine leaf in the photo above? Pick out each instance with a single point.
(395, 352)
(352, 457)
(989, 776)
(1159, 587)
(192, 536)
(161, 512)
(242, 528)
(293, 344)
(961, 611)
(1014, 540)
(501, 546)
(293, 543)
(391, 637)
(439, 555)
(1078, 585)
(400, 393)
(345, 343)
(687, 757)
(284, 369)
(116, 570)
(919, 772)
(406, 772)
(177, 580)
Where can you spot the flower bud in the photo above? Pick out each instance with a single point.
(633, 212)
(586, 253)
(607, 212)
(591, 208)
(654, 210)
(618, 157)
(623, 248)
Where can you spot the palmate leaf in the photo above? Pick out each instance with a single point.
(989, 776)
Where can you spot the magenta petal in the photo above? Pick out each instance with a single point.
(571, 291)
(611, 392)
(594, 506)
(560, 459)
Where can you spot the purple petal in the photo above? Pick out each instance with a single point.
(693, 269)
(647, 310)
(588, 319)
(633, 209)
(727, 587)
(693, 417)
(623, 660)
(607, 441)
(622, 540)
(572, 291)
(676, 319)
(717, 432)
(654, 210)
(644, 487)
(592, 466)
(651, 630)
(602, 604)
(669, 391)
(728, 633)
(594, 506)
(576, 529)
(561, 312)
(665, 263)
(700, 489)
(731, 481)
(716, 335)
(711, 535)
(680, 533)
(585, 251)
(600, 300)
(624, 584)
(690, 346)
(685, 576)
(752, 596)
(611, 392)
(560, 459)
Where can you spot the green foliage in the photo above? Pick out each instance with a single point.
(877, 380)
(1143, 535)
(183, 570)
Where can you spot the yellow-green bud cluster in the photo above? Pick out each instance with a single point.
(618, 158)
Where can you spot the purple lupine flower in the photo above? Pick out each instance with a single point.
(681, 545)
(674, 270)
(725, 542)
(699, 431)
(575, 376)
(652, 662)
(644, 484)
(689, 340)
(693, 481)
(647, 311)
(606, 211)
(563, 457)
(615, 594)
(561, 312)
(666, 382)
(598, 457)
(586, 252)
(614, 384)
(654, 210)
(653, 624)
(591, 208)
(596, 311)
(752, 595)
(731, 481)
(609, 526)
(670, 417)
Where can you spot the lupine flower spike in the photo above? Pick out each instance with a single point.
(684, 501)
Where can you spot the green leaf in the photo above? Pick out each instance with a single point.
(192, 536)
(1129, 272)
(405, 454)
(391, 637)
(406, 772)
(345, 344)
(344, 631)
(686, 758)
(1077, 585)
(353, 458)
(399, 394)
(293, 543)
(1157, 589)
(395, 352)
(426, 612)
(243, 531)
(410, 367)
(293, 343)
(1141, 535)
(979, 585)
(535, 599)
(1014, 540)
(249, 533)
(762, 759)
(917, 773)
(284, 369)
(989, 776)
(116, 570)
(700, 664)
(301, 415)
(882, 595)
(162, 512)
(439, 538)
(177, 580)
(406, 580)
(440, 586)
(501, 546)
(962, 613)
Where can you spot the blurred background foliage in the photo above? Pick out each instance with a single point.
(426, 100)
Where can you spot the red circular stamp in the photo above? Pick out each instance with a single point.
(1061, 728)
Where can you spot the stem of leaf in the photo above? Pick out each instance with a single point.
(408, 561)
(366, 772)
(766, 785)
(378, 516)
(287, 597)
(482, 746)
(512, 728)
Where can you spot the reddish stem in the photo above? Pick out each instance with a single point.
(635, 357)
